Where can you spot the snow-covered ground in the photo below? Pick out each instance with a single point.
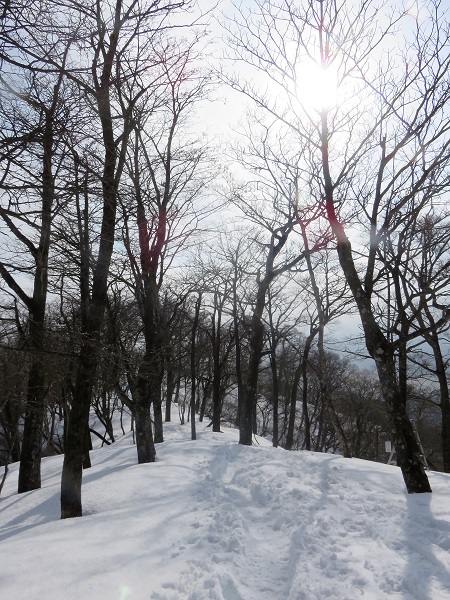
(212, 520)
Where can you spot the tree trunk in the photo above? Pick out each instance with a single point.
(237, 343)
(305, 411)
(444, 399)
(95, 305)
(193, 363)
(249, 388)
(74, 447)
(300, 371)
(247, 419)
(433, 340)
(293, 407)
(145, 446)
(154, 375)
(337, 426)
(141, 407)
(322, 372)
(445, 408)
(30, 458)
(205, 396)
(10, 423)
(406, 446)
(158, 416)
(87, 447)
(170, 391)
(247, 404)
(275, 399)
(217, 371)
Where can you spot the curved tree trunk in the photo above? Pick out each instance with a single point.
(406, 446)
(247, 404)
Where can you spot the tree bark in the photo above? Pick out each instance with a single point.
(444, 395)
(217, 370)
(322, 371)
(157, 413)
(145, 446)
(237, 341)
(326, 398)
(75, 446)
(305, 409)
(407, 449)
(30, 458)
(406, 446)
(153, 367)
(300, 371)
(71, 505)
(9, 419)
(275, 399)
(193, 363)
(170, 390)
(247, 403)
(249, 388)
(293, 407)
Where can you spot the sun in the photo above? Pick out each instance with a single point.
(316, 86)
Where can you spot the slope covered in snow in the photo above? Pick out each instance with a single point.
(212, 520)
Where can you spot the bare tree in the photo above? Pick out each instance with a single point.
(107, 34)
(418, 261)
(163, 165)
(365, 133)
(271, 201)
(328, 308)
(34, 120)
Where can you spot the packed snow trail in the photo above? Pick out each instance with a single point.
(275, 526)
(212, 520)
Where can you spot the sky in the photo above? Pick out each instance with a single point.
(213, 520)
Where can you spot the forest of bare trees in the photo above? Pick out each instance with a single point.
(151, 268)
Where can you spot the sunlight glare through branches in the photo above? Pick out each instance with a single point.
(317, 86)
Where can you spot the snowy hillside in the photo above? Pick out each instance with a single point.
(212, 520)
